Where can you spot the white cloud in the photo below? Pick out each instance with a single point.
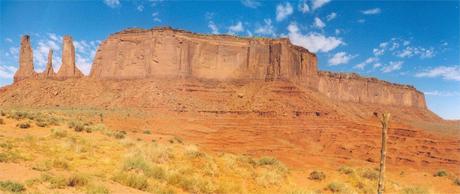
(8, 40)
(283, 11)
(318, 3)
(337, 31)
(378, 52)
(84, 54)
(373, 11)
(236, 28)
(377, 65)
(414, 51)
(266, 29)
(446, 72)
(155, 17)
(366, 62)
(112, 3)
(250, 3)
(331, 16)
(313, 41)
(340, 58)
(393, 66)
(318, 23)
(213, 27)
(7, 72)
(361, 21)
(441, 93)
(303, 6)
(140, 8)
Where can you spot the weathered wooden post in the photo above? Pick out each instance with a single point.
(384, 121)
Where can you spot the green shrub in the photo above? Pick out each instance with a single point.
(10, 186)
(77, 180)
(441, 173)
(41, 124)
(42, 166)
(267, 161)
(335, 187)
(457, 181)
(59, 133)
(60, 163)
(119, 134)
(147, 132)
(370, 174)
(23, 125)
(414, 190)
(132, 180)
(346, 170)
(317, 175)
(97, 189)
(78, 126)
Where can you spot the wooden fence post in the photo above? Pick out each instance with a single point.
(384, 121)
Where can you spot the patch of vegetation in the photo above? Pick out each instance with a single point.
(132, 180)
(61, 163)
(457, 181)
(78, 126)
(346, 170)
(23, 125)
(2, 122)
(42, 165)
(96, 189)
(370, 174)
(317, 175)
(11, 186)
(77, 180)
(267, 161)
(440, 173)
(336, 187)
(59, 133)
(414, 190)
(147, 132)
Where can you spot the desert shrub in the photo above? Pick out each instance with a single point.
(267, 161)
(457, 181)
(41, 123)
(58, 133)
(2, 113)
(79, 126)
(346, 170)
(96, 189)
(147, 132)
(132, 180)
(77, 180)
(11, 186)
(370, 174)
(11, 155)
(137, 162)
(119, 134)
(193, 152)
(23, 125)
(42, 165)
(440, 173)
(335, 187)
(269, 177)
(56, 182)
(317, 175)
(414, 190)
(2, 122)
(61, 163)
(18, 115)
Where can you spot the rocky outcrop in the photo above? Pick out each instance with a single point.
(164, 52)
(68, 68)
(354, 88)
(49, 71)
(26, 64)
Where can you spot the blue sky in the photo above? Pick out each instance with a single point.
(410, 42)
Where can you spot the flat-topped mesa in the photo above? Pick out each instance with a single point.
(68, 68)
(354, 88)
(164, 52)
(26, 63)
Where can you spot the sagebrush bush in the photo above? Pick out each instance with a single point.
(346, 170)
(77, 180)
(132, 180)
(59, 133)
(2, 122)
(414, 190)
(370, 174)
(317, 175)
(267, 161)
(96, 189)
(23, 125)
(11, 186)
(336, 187)
(441, 173)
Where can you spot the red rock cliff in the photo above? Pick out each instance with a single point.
(164, 52)
(26, 63)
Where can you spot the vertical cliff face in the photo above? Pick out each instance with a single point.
(353, 88)
(26, 64)
(165, 52)
(68, 68)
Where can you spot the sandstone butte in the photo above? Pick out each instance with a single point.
(165, 52)
(257, 96)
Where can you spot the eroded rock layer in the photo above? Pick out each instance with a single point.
(68, 68)
(164, 52)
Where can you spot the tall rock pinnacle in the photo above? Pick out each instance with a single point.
(49, 71)
(26, 64)
(68, 68)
